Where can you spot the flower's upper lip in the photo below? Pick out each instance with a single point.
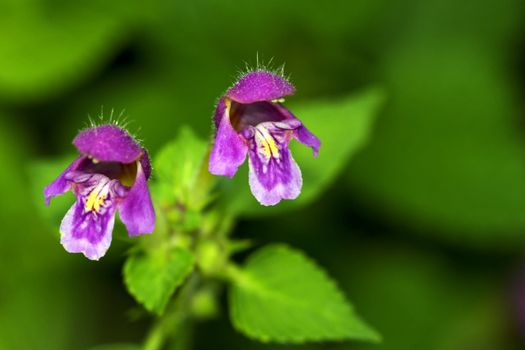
(259, 86)
(108, 143)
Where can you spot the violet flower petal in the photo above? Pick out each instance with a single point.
(274, 175)
(60, 185)
(146, 165)
(304, 136)
(108, 143)
(229, 150)
(280, 182)
(88, 225)
(260, 86)
(136, 210)
(250, 119)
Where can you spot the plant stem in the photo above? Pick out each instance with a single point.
(169, 324)
(155, 338)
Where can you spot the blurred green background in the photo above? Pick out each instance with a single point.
(424, 229)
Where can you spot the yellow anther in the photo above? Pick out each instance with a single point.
(268, 145)
(97, 197)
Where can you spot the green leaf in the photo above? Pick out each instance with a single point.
(342, 126)
(283, 296)
(152, 277)
(181, 170)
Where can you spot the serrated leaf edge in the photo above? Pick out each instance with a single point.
(252, 333)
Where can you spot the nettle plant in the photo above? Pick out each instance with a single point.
(186, 212)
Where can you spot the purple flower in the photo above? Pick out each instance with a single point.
(111, 173)
(251, 120)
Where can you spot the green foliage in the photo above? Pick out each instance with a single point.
(37, 283)
(13, 152)
(42, 173)
(446, 159)
(179, 167)
(180, 188)
(78, 40)
(342, 125)
(117, 347)
(205, 304)
(282, 296)
(210, 256)
(421, 290)
(152, 277)
(448, 156)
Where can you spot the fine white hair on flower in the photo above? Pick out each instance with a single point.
(121, 120)
(261, 65)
